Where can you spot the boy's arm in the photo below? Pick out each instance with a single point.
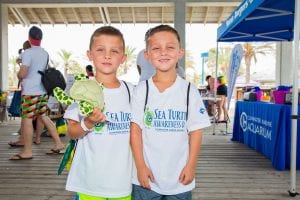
(143, 172)
(188, 173)
(78, 129)
(75, 129)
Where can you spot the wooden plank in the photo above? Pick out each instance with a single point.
(226, 171)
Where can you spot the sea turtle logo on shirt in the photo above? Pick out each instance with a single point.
(98, 127)
(202, 110)
(149, 116)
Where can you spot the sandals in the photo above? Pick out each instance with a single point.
(19, 157)
(56, 151)
(37, 143)
(15, 144)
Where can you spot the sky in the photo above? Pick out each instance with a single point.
(75, 38)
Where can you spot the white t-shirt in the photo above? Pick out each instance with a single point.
(102, 165)
(165, 131)
(35, 58)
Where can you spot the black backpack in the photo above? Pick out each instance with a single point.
(52, 78)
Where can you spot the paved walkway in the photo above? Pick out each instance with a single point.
(226, 170)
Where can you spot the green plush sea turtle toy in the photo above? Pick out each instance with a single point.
(86, 92)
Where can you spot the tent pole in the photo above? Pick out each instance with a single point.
(293, 166)
(215, 118)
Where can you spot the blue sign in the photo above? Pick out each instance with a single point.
(234, 65)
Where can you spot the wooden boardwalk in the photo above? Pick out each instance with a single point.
(226, 170)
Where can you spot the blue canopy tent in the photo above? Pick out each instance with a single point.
(269, 20)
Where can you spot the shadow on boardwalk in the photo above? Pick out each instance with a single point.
(226, 170)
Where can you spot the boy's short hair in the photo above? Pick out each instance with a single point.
(161, 28)
(107, 30)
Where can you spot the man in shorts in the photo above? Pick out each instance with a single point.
(34, 98)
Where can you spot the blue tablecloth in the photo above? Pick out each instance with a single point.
(266, 127)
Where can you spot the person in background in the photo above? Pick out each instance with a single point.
(89, 71)
(180, 71)
(222, 104)
(102, 165)
(146, 69)
(34, 98)
(211, 85)
(208, 103)
(26, 45)
(164, 116)
(38, 126)
(207, 80)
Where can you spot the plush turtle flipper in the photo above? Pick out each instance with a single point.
(62, 97)
(85, 108)
(80, 77)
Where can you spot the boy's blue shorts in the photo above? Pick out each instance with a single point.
(140, 193)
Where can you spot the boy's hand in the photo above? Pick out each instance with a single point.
(96, 116)
(144, 174)
(187, 175)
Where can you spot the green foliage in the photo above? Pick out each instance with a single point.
(189, 60)
(66, 58)
(223, 61)
(75, 68)
(131, 57)
(190, 66)
(251, 50)
(13, 70)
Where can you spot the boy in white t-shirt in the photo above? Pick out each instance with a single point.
(167, 117)
(102, 164)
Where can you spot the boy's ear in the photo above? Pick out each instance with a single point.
(124, 58)
(146, 56)
(89, 55)
(181, 53)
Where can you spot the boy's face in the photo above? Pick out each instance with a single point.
(106, 53)
(163, 50)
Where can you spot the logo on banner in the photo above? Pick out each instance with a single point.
(234, 65)
(243, 121)
(256, 125)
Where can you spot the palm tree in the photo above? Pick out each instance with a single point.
(66, 57)
(250, 53)
(223, 60)
(189, 60)
(75, 68)
(13, 75)
(190, 66)
(130, 52)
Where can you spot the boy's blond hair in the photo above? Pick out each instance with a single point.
(107, 30)
(161, 28)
